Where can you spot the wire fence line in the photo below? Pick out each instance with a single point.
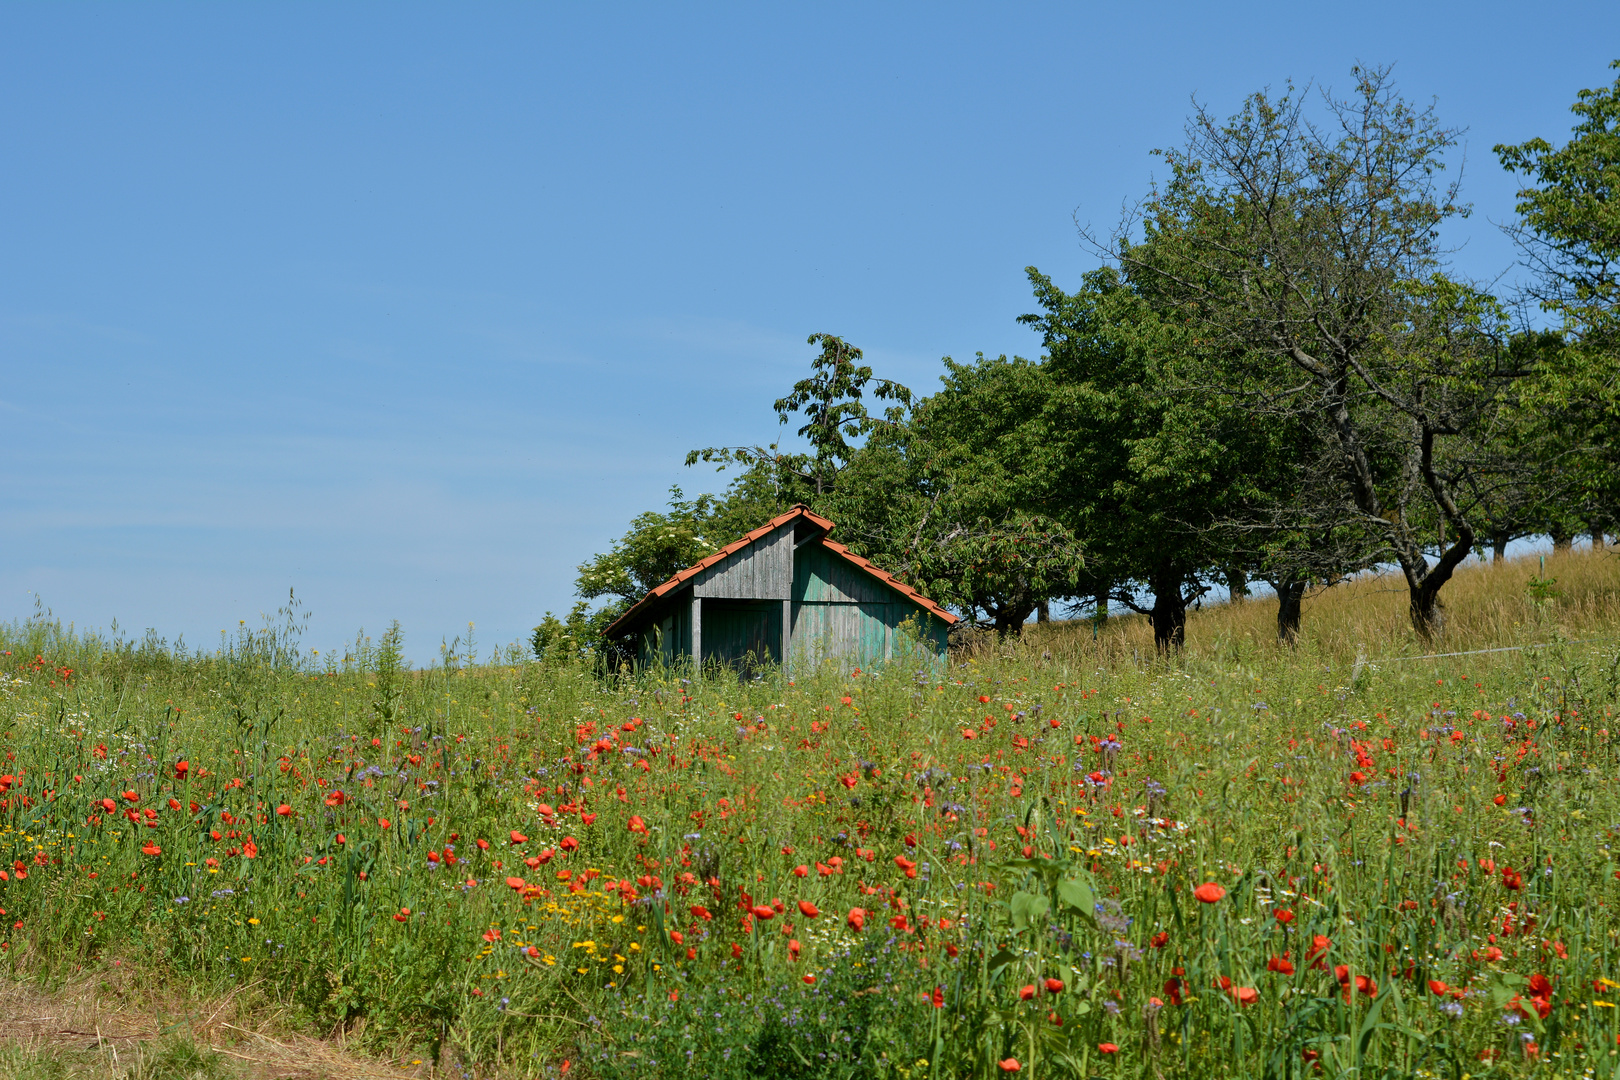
(1478, 652)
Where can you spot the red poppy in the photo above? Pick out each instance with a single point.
(1159, 940)
(1107, 1048)
(809, 978)
(1054, 986)
(762, 911)
(635, 824)
(519, 838)
(1284, 916)
(281, 811)
(1209, 892)
(514, 883)
(857, 918)
(148, 848)
(1026, 992)
(700, 912)
(132, 796)
(808, 910)
(336, 798)
(1281, 965)
(1009, 1065)
(1437, 988)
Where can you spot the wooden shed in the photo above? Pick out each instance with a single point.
(786, 594)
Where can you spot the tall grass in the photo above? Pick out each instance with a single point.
(307, 834)
(1526, 600)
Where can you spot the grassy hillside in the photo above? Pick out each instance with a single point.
(1061, 856)
(1527, 600)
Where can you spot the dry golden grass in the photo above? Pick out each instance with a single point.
(1487, 606)
(110, 1026)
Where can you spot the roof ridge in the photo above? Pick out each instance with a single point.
(798, 510)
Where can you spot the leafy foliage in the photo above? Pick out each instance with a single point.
(1569, 235)
(1272, 377)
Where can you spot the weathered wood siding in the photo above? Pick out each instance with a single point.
(666, 637)
(844, 614)
(819, 577)
(857, 633)
(760, 571)
(742, 633)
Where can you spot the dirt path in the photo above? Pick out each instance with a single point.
(100, 1027)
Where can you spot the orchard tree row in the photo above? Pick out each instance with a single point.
(1274, 375)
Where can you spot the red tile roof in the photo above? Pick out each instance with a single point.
(799, 511)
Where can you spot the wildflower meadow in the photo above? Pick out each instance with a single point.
(1039, 859)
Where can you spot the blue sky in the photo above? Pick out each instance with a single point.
(411, 308)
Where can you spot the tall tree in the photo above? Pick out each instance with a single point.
(830, 401)
(1309, 251)
(1568, 234)
(1139, 468)
(956, 501)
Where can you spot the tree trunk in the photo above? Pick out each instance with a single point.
(1169, 614)
(1043, 611)
(1237, 584)
(1597, 538)
(1099, 613)
(1499, 543)
(1423, 586)
(1423, 582)
(1289, 595)
(1428, 614)
(1009, 618)
(1562, 541)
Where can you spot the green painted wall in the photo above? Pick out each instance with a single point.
(842, 613)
